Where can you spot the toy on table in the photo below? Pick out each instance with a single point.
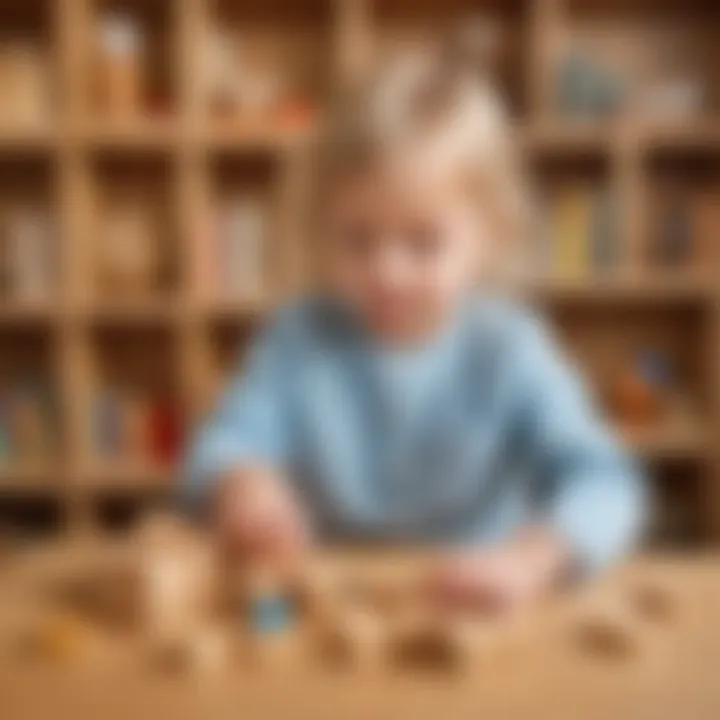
(199, 652)
(270, 615)
(356, 638)
(59, 638)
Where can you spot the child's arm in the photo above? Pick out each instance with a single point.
(592, 495)
(592, 498)
(235, 466)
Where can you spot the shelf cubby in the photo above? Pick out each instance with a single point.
(131, 49)
(31, 434)
(646, 371)
(29, 237)
(241, 249)
(133, 235)
(28, 66)
(134, 421)
(654, 61)
(399, 26)
(683, 211)
(270, 67)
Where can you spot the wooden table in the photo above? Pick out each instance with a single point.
(676, 674)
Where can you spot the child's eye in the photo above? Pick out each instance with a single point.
(357, 239)
(425, 240)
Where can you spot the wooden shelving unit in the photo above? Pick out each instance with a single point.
(187, 152)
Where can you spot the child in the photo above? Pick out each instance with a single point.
(402, 403)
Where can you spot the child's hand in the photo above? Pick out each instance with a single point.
(500, 580)
(256, 513)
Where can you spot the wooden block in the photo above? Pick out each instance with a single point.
(357, 638)
(176, 583)
(653, 601)
(202, 652)
(317, 589)
(59, 638)
(607, 631)
(432, 641)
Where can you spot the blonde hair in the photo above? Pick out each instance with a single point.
(446, 95)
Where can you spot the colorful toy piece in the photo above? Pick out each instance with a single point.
(270, 613)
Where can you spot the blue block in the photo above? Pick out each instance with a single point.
(270, 614)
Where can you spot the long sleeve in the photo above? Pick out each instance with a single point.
(591, 492)
(250, 423)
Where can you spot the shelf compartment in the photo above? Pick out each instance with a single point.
(130, 53)
(28, 67)
(579, 219)
(240, 249)
(31, 438)
(29, 232)
(682, 205)
(401, 26)
(650, 61)
(268, 65)
(135, 413)
(133, 233)
(647, 369)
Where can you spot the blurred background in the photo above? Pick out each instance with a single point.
(153, 188)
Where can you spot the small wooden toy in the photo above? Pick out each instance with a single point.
(608, 630)
(165, 587)
(201, 652)
(270, 616)
(356, 638)
(59, 638)
(653, 601)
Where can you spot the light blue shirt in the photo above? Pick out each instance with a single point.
(465, 440)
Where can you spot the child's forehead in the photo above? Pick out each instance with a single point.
(409, 180)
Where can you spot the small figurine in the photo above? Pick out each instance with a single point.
(639, 390)
(270, 615)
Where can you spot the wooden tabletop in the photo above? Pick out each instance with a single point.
(545, 674)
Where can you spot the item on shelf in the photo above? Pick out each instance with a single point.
(129, 259)
(5, 445)
(135, 427)
(295, 114)
(131, 427)
(640, 390)
(572, 216)
(120, 79)
(165, 431)
(27, 264)
(579, 232)
(220, 72)
(106, 426)
(241, 237)
(673, 230)
(604, 231)
(672, 99)
(241, 81)
(27, 428)
(587, 90)
(24, 82)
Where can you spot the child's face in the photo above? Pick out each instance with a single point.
(405, 244)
